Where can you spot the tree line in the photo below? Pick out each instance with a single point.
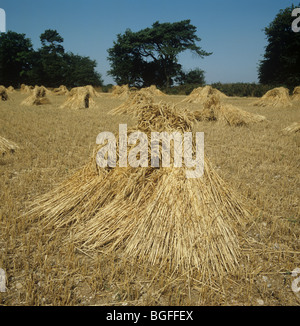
(147, 57)
(50, 65)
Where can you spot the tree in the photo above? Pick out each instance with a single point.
(15, 58)
(150, 56)
(281, 63)
(54, 67)
(50, 63)
(49, 66)
(80, 71)
(192, 77)
(51, 42)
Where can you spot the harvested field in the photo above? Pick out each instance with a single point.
(293, 128)
(7, 146)
(253, 168)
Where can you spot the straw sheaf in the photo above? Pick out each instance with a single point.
(163, 217)
(7, 146)
(3, 94)
(214, 110)
(132, 104)
(201, 94)
(276, 97)
(61, 90)
(163, 117)
(151, 91)
(92, 91)
(151, 215)
(79, 98)
(10, 89)
(120, 91)
(26, 89)
(37, 97)
(296, 94)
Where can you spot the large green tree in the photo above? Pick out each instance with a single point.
(80, 71)
(281, 62)
(15, 58)
(150, 56)
(53, 66)
(50, 59)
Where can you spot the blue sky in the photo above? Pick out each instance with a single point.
(231, 29)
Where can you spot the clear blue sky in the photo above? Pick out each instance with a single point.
(231, 29)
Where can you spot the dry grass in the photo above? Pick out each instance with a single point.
(7, 146)
(256, 162)
(276, 97)
(293, 128)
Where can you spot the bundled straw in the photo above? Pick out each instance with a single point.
(79, 98)
(92, 91)
(3, 94)
(7, 146)
(293, 128)
(132, 104)
(214, 110)
(296, 94)
(151, 91)
(10, 89)
(152, 215)
(61, 90)
(201, 94)
(276, 97)
(26, 89)
(164, 117)
(120, 91)
(38, 97)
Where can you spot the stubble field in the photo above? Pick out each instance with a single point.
(259, 162)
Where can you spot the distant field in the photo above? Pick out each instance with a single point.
(259, 162)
